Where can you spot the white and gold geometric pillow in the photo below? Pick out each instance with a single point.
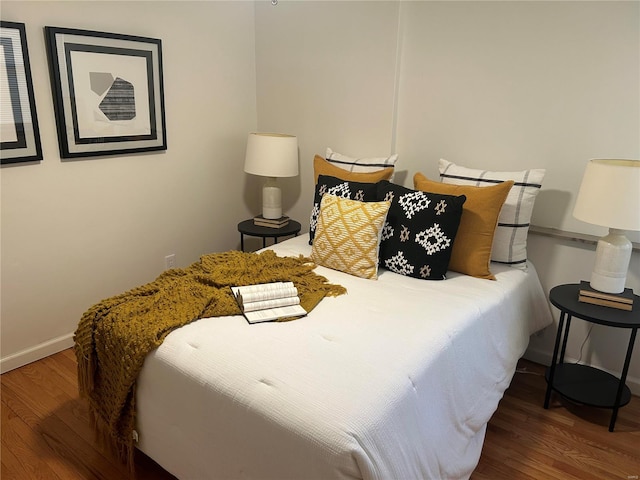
(348, 235)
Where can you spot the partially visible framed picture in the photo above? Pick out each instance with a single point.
(19, 133)
(108, 92)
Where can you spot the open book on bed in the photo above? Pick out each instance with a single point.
(267, 302)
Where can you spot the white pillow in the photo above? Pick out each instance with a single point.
(360, 165)
(510, 239)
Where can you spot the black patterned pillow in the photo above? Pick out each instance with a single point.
(417, 238)
(363, 192)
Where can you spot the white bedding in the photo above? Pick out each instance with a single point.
(397, 379)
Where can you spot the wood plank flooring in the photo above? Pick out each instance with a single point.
(565, 442)
(46, 433)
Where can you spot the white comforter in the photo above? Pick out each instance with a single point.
(395, 380)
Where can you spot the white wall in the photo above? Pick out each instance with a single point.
(501, 85)
(74, 232)
(494, 85)
(325, 72)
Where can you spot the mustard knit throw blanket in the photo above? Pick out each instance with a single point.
(114, 336)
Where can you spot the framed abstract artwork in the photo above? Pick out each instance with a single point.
(19, 134)
(108, 92)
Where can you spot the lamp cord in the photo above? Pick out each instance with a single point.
(583, 343)
(525, 371)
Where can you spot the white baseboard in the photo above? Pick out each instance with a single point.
(36, 352)
(544, 358)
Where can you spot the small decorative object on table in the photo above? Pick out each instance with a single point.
(623, 301)
(283, 221)
(266, 302)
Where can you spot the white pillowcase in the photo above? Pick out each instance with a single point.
(510, 240)
(360, 165)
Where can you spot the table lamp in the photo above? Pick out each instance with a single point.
(610, 196)
(271, 155)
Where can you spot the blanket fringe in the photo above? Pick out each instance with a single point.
(123, 451)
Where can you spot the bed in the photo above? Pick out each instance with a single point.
(396, 379)
(420, 301)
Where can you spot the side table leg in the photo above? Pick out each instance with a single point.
(566, 338)
(242, 242)
(623, 379)
(552, 368)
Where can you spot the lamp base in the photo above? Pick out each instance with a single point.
(613, 254)
(271, 199)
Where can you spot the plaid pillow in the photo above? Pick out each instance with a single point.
(510, 240)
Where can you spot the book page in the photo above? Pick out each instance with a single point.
(272, 294)
(260, 287)
(274, 303)
(264, 291)
(275, 313)
(268, 301)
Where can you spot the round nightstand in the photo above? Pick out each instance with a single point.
(247, 227)
(582, 383)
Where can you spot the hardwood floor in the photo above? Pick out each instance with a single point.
(46, 433)
(565, 442)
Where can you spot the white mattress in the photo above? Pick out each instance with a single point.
(397, 379)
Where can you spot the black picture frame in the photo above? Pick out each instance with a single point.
(19, 134)
(108, 92)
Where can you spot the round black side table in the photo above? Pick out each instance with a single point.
(247, 227)
(582, 383)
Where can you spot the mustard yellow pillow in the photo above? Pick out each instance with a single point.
(322, 167)
(348, 235)
(471, 253)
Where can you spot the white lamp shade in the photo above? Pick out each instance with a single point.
(610, 194)
(272, 155)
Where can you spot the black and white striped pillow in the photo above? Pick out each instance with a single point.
(360, 165)
(510, 240)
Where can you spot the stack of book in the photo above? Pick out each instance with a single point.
(266, 302)
(622, 301)
(271, 222)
